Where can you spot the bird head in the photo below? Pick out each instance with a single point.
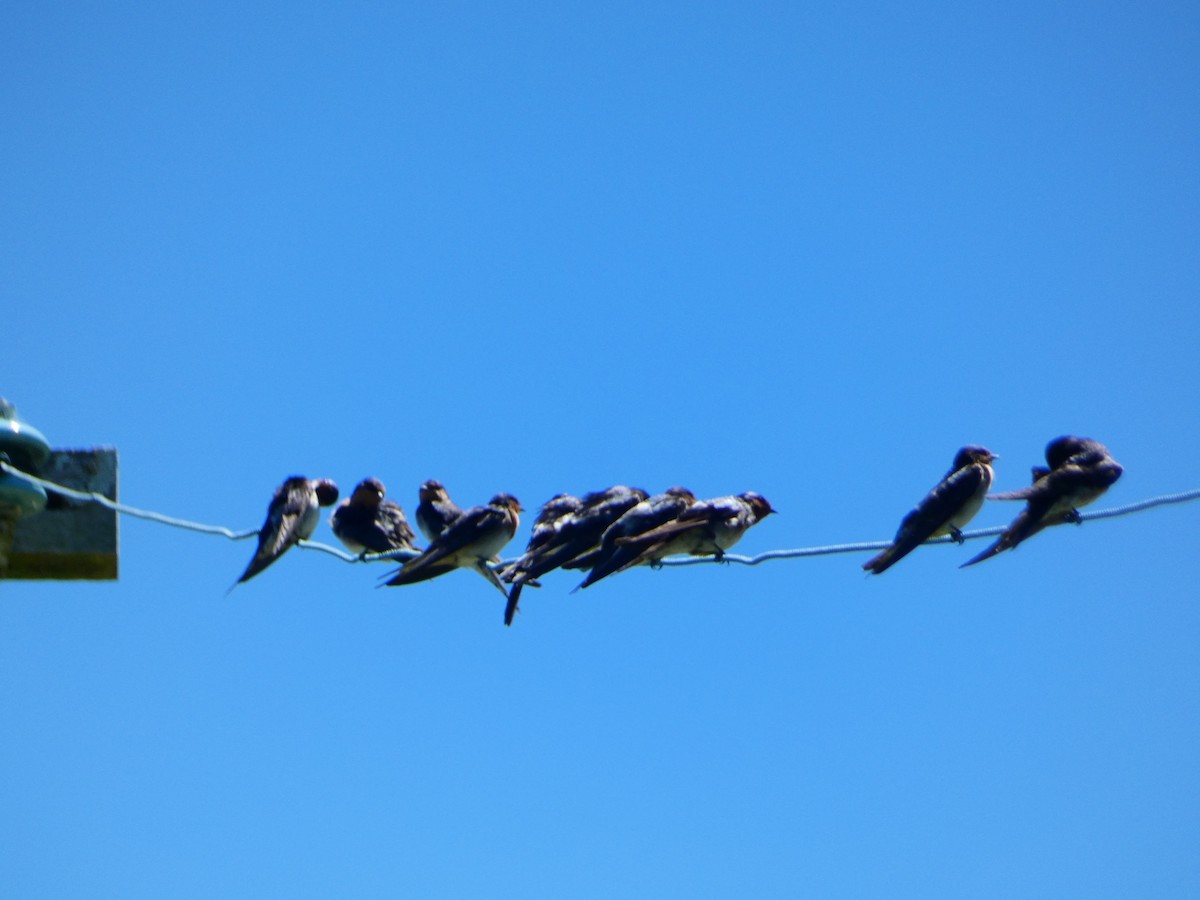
(759, 505)
(326, 490)
(432, 491)
(368, 492)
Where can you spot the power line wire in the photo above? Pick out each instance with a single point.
(94, 497)
(992, 531)
(796, 553)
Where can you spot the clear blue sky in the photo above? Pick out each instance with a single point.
(804, 249)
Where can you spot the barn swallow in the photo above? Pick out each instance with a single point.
(1080, 470)
(707, 528)
(613, 556)
(436, 511)
(946, 509)
(545, 527)
(470, 542)
(292, 516)
(573, 535)
(367, 523)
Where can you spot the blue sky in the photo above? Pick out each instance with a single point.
(805, 250)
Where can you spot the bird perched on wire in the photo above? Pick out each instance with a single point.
(706, 528)
(945, 510)
(545, 527)
(1080, 470)
(367, 523)
(292, 516)
(470, 542)
(613, 555)
(573, 536)
(436, 511)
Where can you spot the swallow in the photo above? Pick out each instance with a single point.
(470, 542)
(613, 556)
(545, 527)
(367, 523)
(1079, 471)
(292, 516)
(707, 528)
(436, 511)
(576, 534)
(945, 510)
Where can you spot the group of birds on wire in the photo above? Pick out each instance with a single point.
(612, 530)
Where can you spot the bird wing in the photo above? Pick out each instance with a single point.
(468, 529)
(931, 514)
(612, 556)
(289, 506)
(393, 525)
(705, 515)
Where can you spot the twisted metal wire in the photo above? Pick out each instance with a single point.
(94, 497)
(992, 531)
(401, 555)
